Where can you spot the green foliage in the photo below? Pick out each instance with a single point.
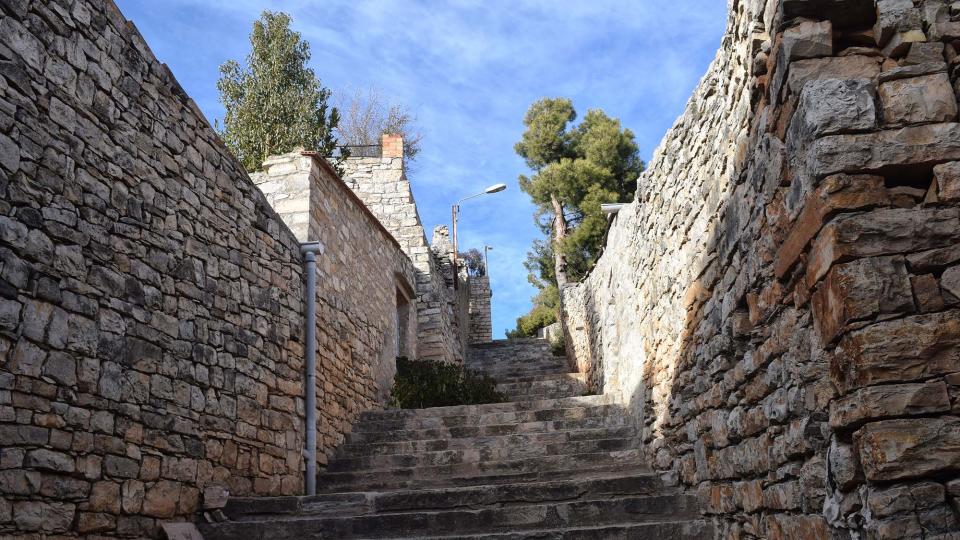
(581, 166)
(473, 260)
(275, 103)
(421, 384)
(546, 308)
(558, 346)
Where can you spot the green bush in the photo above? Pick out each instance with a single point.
(423, 384)
(558, 346)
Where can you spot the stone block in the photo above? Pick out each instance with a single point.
(41, 516)
(915, 147)
(48, 460)
(881, 232)
(947, 177)
(840, 192)
(917, 100)
(844, 67)
(845, 472)
(832, 106)
(859, 290)
(901, 350)
(894, 17)
(887, 401)
(161, 499)
(909, 448)
(808, 39)
(926, 290)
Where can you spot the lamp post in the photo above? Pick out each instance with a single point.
(496, 188)
(486, 262)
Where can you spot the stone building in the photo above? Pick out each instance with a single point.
(442, 295)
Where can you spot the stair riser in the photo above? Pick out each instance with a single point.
(480, 455)
(510, 518)
(399, 501)
(474, 473)
(489, 408)
(488, 431)
(436, 445)
(498, 418)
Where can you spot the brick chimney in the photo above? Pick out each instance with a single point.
(392, 146)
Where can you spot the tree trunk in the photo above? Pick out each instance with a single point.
(559, 234)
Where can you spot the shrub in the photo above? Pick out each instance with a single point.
(422, 384)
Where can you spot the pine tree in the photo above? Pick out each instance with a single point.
(275, 103)
(576, 168)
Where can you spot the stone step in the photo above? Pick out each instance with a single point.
(522, 440)
(603, 485)
(367, 435)
(490, 408)
(472, 474)
(502, 518)
(486, 418)
(663, 530)
(565, 385)
(479, 455)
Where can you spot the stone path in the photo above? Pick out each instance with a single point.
(551, 463)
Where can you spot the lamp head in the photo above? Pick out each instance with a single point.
(495, 188)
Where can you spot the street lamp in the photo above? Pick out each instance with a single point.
(486, 263)
(496, 188)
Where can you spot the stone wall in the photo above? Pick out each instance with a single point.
(780, 306)
(364, 282)
(151, 301)
(382, 185)
(481, 326)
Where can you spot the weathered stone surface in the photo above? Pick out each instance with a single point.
(917, 146)
(950, 280)
(808, 39)
(859, 290)
(900, 350)
(845, 470)
(831, 106)
(887, 401)
(844, 68)
(947, 177)
(899, 449)
(894, 17)
(881, 232)
(840, 192)
(918, 100)
(161, 499)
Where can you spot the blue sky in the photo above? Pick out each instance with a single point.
(468, 70)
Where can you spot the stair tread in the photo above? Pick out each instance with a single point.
(551, 463)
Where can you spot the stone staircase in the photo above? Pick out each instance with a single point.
(551, 463)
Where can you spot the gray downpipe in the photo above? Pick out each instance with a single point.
(310, 251)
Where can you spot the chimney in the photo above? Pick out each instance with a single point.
(392, 146)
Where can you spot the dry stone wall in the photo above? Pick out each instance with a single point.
(151, 301)
(364, 279)
(779, 307)
(382, 185)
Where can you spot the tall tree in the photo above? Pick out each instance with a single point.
(367, 115)
(275, 103)
(576, 168)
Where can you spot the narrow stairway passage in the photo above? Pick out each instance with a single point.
(550, 463)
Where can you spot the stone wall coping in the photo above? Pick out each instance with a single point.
(323, 164)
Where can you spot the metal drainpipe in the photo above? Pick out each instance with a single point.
(309, 251)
